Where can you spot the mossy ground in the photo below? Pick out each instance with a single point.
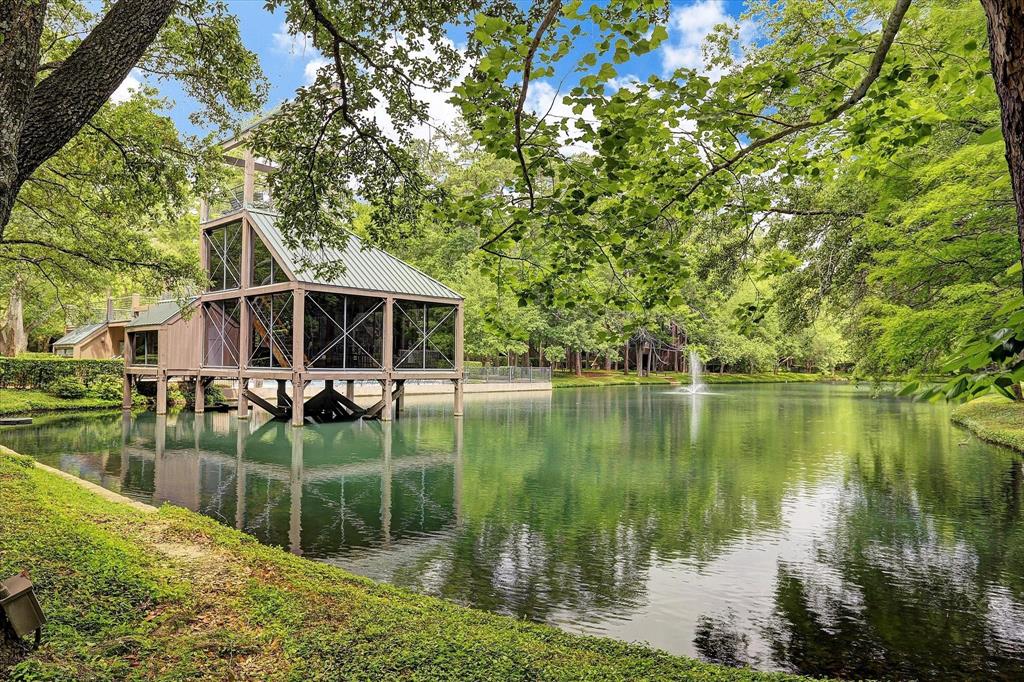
(994, 419)
(27, 401)
(617, 378)
(172, 595)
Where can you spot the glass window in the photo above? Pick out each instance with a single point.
(224, 253)
(222, 320)
(144, 347)
(424, 335)
(265, 268)
(271, 328)
(344, 332)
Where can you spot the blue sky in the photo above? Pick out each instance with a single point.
(288, 62)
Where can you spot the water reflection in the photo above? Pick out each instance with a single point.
(804, 528)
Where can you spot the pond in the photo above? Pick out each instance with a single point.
(801, 527)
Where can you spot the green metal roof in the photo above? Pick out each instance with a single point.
(158, 313)
(366, 267)
(79, 334)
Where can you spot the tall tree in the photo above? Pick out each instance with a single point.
(1006, 46)
(50, 90)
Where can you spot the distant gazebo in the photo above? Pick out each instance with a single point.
(267, 315)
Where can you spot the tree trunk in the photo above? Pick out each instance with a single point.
(37, 119)
(1006, 46)
(13, 339)
(579, 363)
(21, 24)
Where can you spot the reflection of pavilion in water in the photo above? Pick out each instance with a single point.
(322, 492)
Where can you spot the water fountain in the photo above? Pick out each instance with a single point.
(696, 370)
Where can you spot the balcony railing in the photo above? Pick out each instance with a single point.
(231, 200)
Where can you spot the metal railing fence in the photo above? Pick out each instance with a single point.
(510, 375)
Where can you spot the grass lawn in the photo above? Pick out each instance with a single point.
(994, 419)
(169, 595)
(22, 401)
(616, 378)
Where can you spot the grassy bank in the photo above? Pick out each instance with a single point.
(996, 420)
(170, 594)
(617, 378)
(26, 401)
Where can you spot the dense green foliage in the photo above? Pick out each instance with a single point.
(43, 371)
(136, 595)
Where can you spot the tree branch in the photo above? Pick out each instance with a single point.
(517, 115)
(66, 99)
(892, 26)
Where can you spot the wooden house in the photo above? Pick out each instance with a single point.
(268, 315)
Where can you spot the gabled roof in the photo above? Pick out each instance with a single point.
(366, 267)
(79, 334)
(158, 313)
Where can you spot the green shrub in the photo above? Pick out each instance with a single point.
(68, 388)
(175, 396)
(214, 394)
(34, 371)
(107, 388)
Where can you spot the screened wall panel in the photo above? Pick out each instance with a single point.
(265, 268)
(271, 318)
(224, 253)
(424, 335)
(343, 332)
(144, 347)
(222, 320)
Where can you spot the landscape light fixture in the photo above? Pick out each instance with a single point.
(21, 611)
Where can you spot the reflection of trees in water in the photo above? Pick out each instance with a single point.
(719, 640)
(566, 507)
(925, 551)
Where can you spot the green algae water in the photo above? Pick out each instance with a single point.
(800, 527)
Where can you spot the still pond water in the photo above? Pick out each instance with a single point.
(809, 528)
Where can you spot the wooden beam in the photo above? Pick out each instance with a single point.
(258, 166)
(266, 405)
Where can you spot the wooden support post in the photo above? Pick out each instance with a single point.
(161, 393)
(389, 331)
(458, 397)
(200, 401)
(248, 178)
(126, 398)
(298, 399)
(385, 413)
(350, 389)
(243, 399)
(299, 330)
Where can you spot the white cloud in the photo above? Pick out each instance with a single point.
(544, 100)
(127, 87)
(294, 45)
(313, 67)
(688, 27)
(627, 82)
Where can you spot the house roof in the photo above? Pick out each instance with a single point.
(79, 334)
(158, 313)
(365, 267)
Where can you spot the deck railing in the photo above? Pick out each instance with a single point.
(509, 375)
(230, 200)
